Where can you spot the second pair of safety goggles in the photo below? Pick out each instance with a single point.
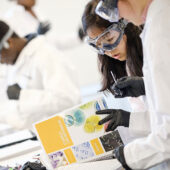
(4, 42)
(109, 39)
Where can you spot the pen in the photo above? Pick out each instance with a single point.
(113, 77)
(117, 91)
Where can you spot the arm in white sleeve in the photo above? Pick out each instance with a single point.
(155, 148)
(151, 150)
(139, 117)
(59, 91)
(139, 123)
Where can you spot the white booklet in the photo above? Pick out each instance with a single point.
(74, 135)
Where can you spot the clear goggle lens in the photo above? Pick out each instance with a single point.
(96, 49)
(106, 42)
(108, 39)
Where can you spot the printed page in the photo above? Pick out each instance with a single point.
(74, 136)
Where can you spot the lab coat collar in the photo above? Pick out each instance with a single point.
(155, 4)
(155, 7)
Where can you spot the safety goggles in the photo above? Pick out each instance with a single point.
(3, 42)
(108, 10)
(109, 39)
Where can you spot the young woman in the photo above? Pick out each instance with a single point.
(125, 59)
(119, 52)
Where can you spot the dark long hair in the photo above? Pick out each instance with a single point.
(134, 62)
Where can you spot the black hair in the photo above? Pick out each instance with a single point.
(4, 28)
(134, 61)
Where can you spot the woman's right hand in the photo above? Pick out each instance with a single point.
(129, 87)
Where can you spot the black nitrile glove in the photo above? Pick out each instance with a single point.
(43, 27)
(129, 86)
(33, 166)
(119, 155)
(116, 118)
(13, 91)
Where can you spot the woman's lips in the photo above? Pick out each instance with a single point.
(116, 56)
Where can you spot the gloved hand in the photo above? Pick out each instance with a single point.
(33, 166)
(129, 86)
(13, 91)
(119, 155)
(43, 27)
(116, 118)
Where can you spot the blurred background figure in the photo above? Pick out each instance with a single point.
(25, 19)
(63, 33)
(37, 80)
(22, 17)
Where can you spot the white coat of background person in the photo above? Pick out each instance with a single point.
(19, 19)
(24, 23)
(48, 84)
(152, 151)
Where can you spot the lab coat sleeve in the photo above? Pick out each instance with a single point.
(154, 149)
(139, 123)
(139, 117)
(29, 23)
(59, 91)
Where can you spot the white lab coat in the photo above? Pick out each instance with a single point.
(48, 82)
(136, 129)
(21, 21)
(155, 148)
(139, 108)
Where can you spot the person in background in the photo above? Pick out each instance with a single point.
(39, 81)
(43, 27)
(28, 5)
(23, 19)
(151, 151)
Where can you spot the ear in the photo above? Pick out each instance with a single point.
(125, 38)
(10, 41)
